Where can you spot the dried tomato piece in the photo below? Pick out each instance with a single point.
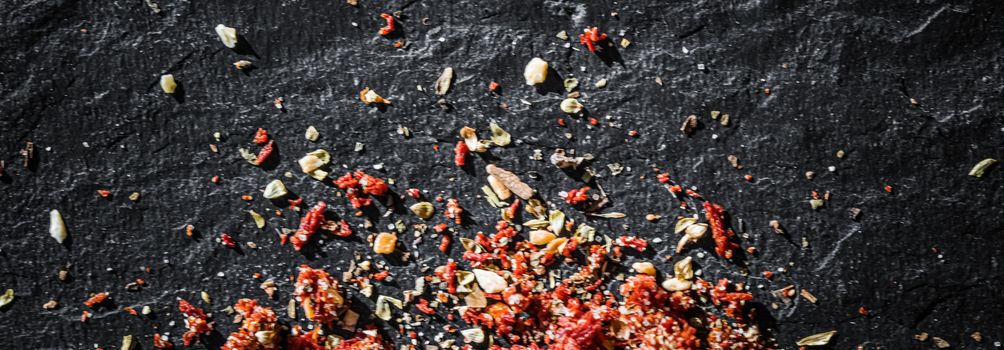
(577, 195)
(590, 37)
(723, 237)
(308, 225)
(454, 211)
(344, 230)
(460, 153)
(261, 136)
(228, 241)
(319, 295)
(444, 243)
(195, 321)
(346, 181)
(633, 242)
(264, 153)
(423, 306)
(389, 28)
(96, 299)
(258, 327)
(371, 185)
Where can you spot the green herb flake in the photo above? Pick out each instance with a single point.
(492, 198)
(982, 167)
(259, 221)
(6, 298)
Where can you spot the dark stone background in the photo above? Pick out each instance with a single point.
(925, 258)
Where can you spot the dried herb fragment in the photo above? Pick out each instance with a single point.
(6, 298)
(499, 136)
(275, 189)
(571, 106)
(816, 339)
(689, 125)
(982, 167)
(311, 134)
(168, 84)
(442, 85)
(259, 221)
(227, 35)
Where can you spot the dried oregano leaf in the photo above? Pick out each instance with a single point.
(6, 298)
(982, 167)
(499, 136)
(259, 221)
(816, 339)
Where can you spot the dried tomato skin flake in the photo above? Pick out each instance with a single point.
(261, 136)
(104, 193)
(723, 237)
(309, 225)
(444, 243)
(590, 37)
(389, 28)
(264, 153)
(460, 153)
(96, 299)
(493, 86)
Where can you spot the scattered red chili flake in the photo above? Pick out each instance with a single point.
(493, 86)
(723, 237)
(344, 230)
(453, 210)
(215, 179)
(261, 136)
(748, 177)
(632, 242)
(593, 121)
(264, 153)
(460, 153)
(676, 189)
(768, 275)
(160, 343)
(693, 194)
(196, 321)
(130, 310)
(228, 241)
(414, 193)
(423, 306)
(104, 193)
(295, 203)
(863, 311)
(888, 188)
(448, 273)
(308, 225)
(279, 102)
(577, 195)
(189, 230)
(591, 36)
(247, 198)
(389, 28)
(440, 228)
(663, 178)
(371, 185)
(96, 299)
(444, 243)
(633, 133)
(346, 181)
(84, 316)
(319, 295)
(561, 122)
(513, 209)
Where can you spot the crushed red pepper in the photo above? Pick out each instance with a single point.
(722, 236)
(576, 196)
(389, 27)
(319, 295)
(261, 136)
(196, 321)
(590, 37)
(308, 225)
(258, 328)
(460, 153)
(96, 299)
(264, 153)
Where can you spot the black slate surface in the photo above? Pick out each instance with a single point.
(79, 79)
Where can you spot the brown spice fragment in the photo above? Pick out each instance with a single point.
(511, 181)
(776, 226)
(28, 152)
(734, 161)
(808, 296)
(269, 287)
(941, 343)
(920, 337)
(855, 213)
(977, 337)
(52, 304)
(64, 275)
(725, 120)
(689, 125)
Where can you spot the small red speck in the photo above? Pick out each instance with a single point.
(398, 44)
(257, 275)
(748, 177)
(493, 86)
(594, 121)
(435, 147)
(766, 91)
(888, 188)
(561, 122)
(104, 193)
(768, 275)
(633, 133)
(751, 250)
(216, 179)
(439, 198)
(247, 198)
(414, 193)
(228, 241)
(863, 311)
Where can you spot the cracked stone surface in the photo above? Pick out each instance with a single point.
(911, 91)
